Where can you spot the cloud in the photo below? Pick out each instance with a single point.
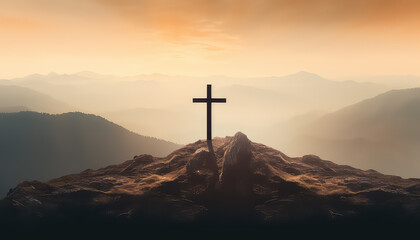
(19, 24)
(214, 35)
(198, 16)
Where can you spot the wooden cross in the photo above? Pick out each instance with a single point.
(209, 101)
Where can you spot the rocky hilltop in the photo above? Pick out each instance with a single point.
(232, 181)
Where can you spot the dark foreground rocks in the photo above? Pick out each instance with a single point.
(231, 185)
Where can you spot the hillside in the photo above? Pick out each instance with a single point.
(15, 98)
(381, 133)
(235, 183)
(35, 146)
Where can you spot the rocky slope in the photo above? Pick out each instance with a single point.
(39, 146)
(237, 181)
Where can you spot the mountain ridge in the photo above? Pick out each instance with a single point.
(231, 182)
(373, 132)
(42, 146)
(12, 96)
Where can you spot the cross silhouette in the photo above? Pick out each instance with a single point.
(209, 101)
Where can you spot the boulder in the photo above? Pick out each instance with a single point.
(236, 169)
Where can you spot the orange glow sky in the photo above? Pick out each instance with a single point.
(333, 38)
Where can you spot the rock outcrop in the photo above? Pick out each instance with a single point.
(202, 169)
(236, 181)
(236, 169)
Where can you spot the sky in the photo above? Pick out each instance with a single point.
(241, 38)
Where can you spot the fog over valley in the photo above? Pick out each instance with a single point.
(299, 113)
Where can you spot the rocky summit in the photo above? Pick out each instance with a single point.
(229, 181)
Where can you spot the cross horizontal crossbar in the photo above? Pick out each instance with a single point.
(221, 100)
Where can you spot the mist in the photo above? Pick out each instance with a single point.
(272, 110)
(161, 106)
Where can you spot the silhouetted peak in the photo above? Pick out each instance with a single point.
(306, 74)
(52, 74)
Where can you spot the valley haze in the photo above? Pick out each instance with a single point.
(280, 111)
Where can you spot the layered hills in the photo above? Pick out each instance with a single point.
(16, 98)
(39, 146)
(381, 132)
(148, 103)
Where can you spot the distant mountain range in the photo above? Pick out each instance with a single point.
(381, 133)
(268, 99)
(256, 101)
(90, 92)
(42, 146)
(282, 111)
(15, 98)
(393, 81)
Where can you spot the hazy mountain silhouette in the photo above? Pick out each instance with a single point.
(15, 98)
(171, 121)
(91, 92)
(381, 133)
(139, 98)
(42, 146)
(240, 183)
(393, 81)
(180, 123)
(318, 93)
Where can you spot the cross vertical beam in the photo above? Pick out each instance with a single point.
(209, 112)
(209, 100)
